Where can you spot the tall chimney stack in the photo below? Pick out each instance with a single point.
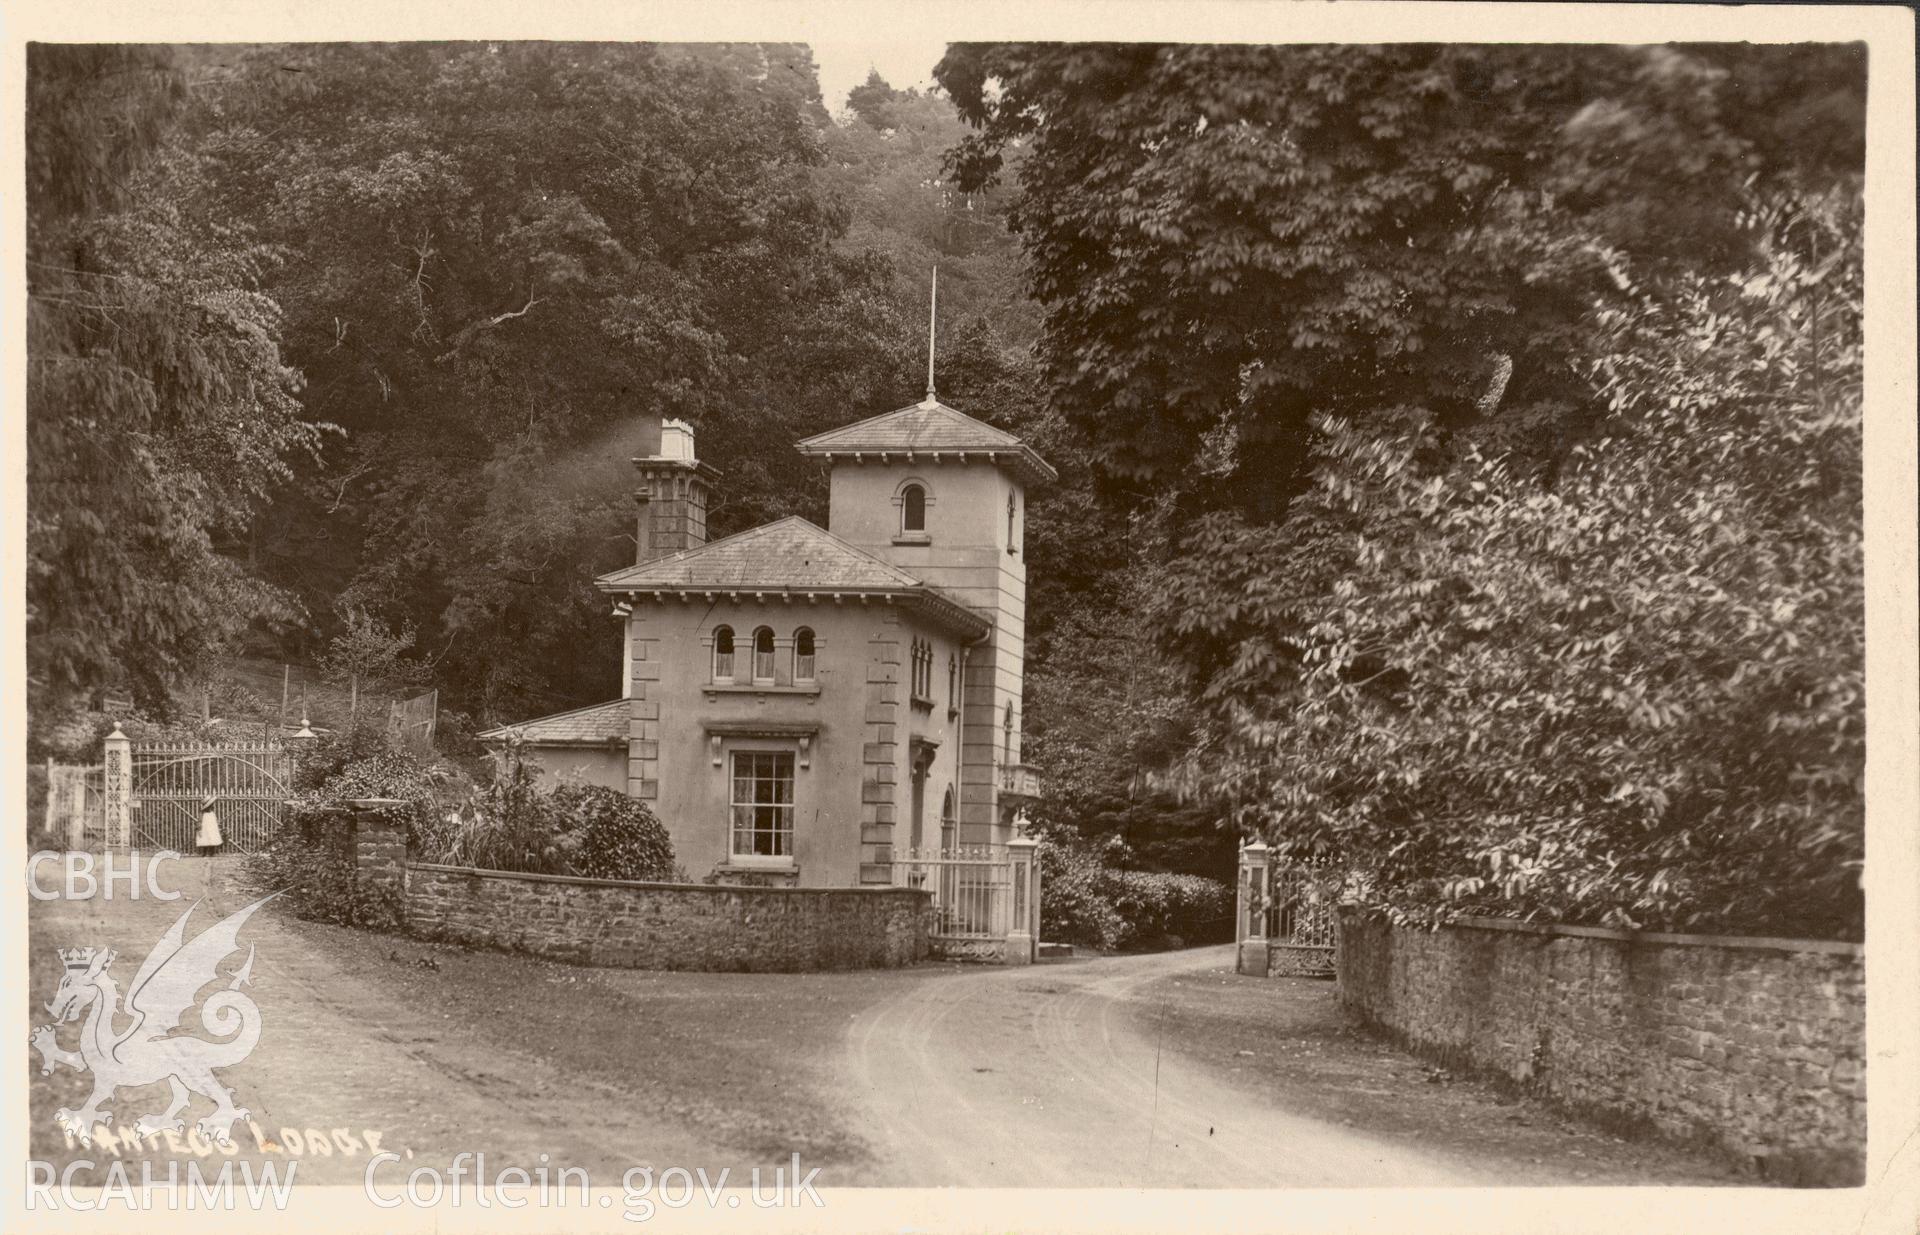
(673, 493)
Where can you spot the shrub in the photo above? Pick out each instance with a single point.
(310, 860)
(1074, 906)
(1084, 900)
(585, 830)
(1628, 694)
(310, 857)
(1158, 906)
(606, 834)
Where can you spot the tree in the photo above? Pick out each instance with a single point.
(887, 167)
(369, 652)
(1229, 240)
(510, 257)
(872, 101)
(1269, 272)
(161, 415)
(1105, 710)
(1630, 698)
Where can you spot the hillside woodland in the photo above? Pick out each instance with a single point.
(1459, 446)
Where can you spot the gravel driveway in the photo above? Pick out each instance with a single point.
(1163, 1070)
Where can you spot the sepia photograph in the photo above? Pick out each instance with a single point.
(622, 629)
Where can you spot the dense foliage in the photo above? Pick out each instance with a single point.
(1089, 900)
(585, 830)
(513, 259)
(161, 411)
(1229, 240)
(310, 858)
(1500, 407)
(1633, 697)
(1456, 442)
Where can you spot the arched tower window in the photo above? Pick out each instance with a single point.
(1010, 509)
(1006, 727)
(949, 820)
(913, 509)
(763, 655)
(953, 678)
(723, 653)
(803, 655)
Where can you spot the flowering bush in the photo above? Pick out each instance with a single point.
(310, 857)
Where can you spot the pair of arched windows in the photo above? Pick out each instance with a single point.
(763, 667)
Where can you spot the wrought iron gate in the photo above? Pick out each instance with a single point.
(985, 899)
(1293, 907)
(171, 783)
(972, 892)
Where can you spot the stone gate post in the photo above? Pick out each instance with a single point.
(380, 856)
(1023, 931)
(1250, 930)
(117, 786)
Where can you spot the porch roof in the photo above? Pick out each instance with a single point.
(598, 724)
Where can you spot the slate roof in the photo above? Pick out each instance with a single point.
(787, 553)
(929, 428)
(588, 726)
(788, 556)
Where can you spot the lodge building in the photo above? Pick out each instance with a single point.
(802, 705)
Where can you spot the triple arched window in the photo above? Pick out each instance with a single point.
(765, 663)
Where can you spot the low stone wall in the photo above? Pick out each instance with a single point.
(1753, 1047)
(669, 925)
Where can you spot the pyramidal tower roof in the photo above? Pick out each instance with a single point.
(932, 430)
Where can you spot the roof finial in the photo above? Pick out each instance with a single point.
(933, 318)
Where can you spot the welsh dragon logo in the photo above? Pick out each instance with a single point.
(148, 1049)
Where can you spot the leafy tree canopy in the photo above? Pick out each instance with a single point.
(1499, 397)
(161, 412)
(1230, 240)
(512, 258)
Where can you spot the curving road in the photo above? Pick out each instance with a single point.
(1036, 1077)
(1138, 1071)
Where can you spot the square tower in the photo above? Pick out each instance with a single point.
(942, 496)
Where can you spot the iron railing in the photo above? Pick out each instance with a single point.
(972, 888)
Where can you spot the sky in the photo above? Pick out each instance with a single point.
(905, 60)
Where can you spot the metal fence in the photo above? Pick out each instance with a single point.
(972, 888)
